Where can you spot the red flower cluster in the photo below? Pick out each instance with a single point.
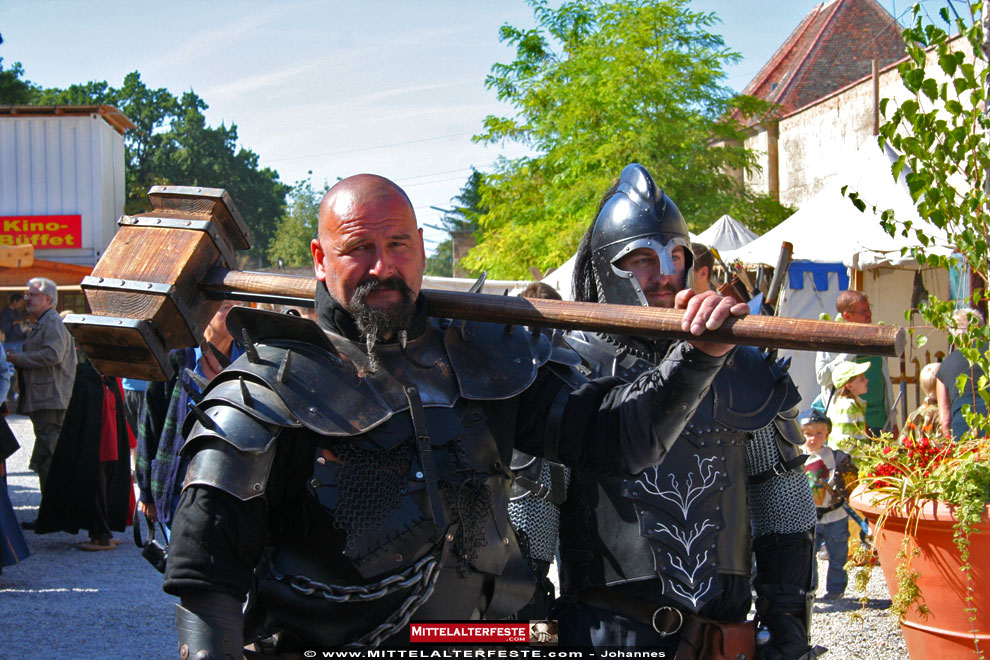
(919, 456)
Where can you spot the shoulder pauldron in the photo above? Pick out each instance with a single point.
(294, 374)
(749, 391)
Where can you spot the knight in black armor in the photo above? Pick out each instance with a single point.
(351, 475)
(665, 559)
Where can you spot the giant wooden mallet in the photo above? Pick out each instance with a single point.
(162, 277)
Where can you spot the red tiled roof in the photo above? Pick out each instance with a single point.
(833, 46)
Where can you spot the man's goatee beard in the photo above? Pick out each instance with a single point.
(378, 324)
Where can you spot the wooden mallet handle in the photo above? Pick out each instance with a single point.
(767, 331)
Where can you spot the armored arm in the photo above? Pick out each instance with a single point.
(209, 625)
(610, 426)
(221, 524)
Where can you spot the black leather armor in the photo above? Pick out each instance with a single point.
(686, 520)
(402, 511)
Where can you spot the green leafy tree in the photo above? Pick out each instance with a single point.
(598, 84)
(298, 226)
(463, 217)
(172, 144)
(14, 90)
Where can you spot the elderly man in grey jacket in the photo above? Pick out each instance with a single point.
(47, 367)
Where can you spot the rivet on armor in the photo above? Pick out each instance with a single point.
(398, 558)
(183, 651)
(314, 483)
(411, 389)
(450, 537)
(202, 654)
(402, 491)
(321, 460)
(505, 540)
(257, 486)
(498, 465)
(419, 475)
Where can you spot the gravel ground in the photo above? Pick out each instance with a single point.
(62, 603)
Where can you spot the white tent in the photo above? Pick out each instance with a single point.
(828, 228)
(726, 233)
(830, 236)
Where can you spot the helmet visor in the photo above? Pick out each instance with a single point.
(664, 252)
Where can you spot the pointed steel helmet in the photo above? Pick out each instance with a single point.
(637, 215)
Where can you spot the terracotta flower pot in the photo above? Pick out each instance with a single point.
(946, 632)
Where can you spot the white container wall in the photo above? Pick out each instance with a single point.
(61, 183)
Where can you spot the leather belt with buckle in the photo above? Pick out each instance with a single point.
(665, 620)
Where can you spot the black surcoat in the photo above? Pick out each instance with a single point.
(672, 531)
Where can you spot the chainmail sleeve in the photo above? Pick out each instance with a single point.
(782, 504)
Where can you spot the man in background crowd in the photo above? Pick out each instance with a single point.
(703, 262)
(854, 307)
(47, 368)
(10, 321)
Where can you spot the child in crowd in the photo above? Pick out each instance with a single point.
(923, 422)
(828, 471)
(847, 411)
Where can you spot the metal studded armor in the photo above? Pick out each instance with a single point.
(409, 516)
(348, 497)
(692, 512)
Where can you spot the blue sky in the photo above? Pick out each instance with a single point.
(394, 87)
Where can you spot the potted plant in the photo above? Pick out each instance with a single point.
(926, 495)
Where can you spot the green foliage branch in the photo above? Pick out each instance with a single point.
(463, 217)
(596, 85)
(299, 226)
(940, 134)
